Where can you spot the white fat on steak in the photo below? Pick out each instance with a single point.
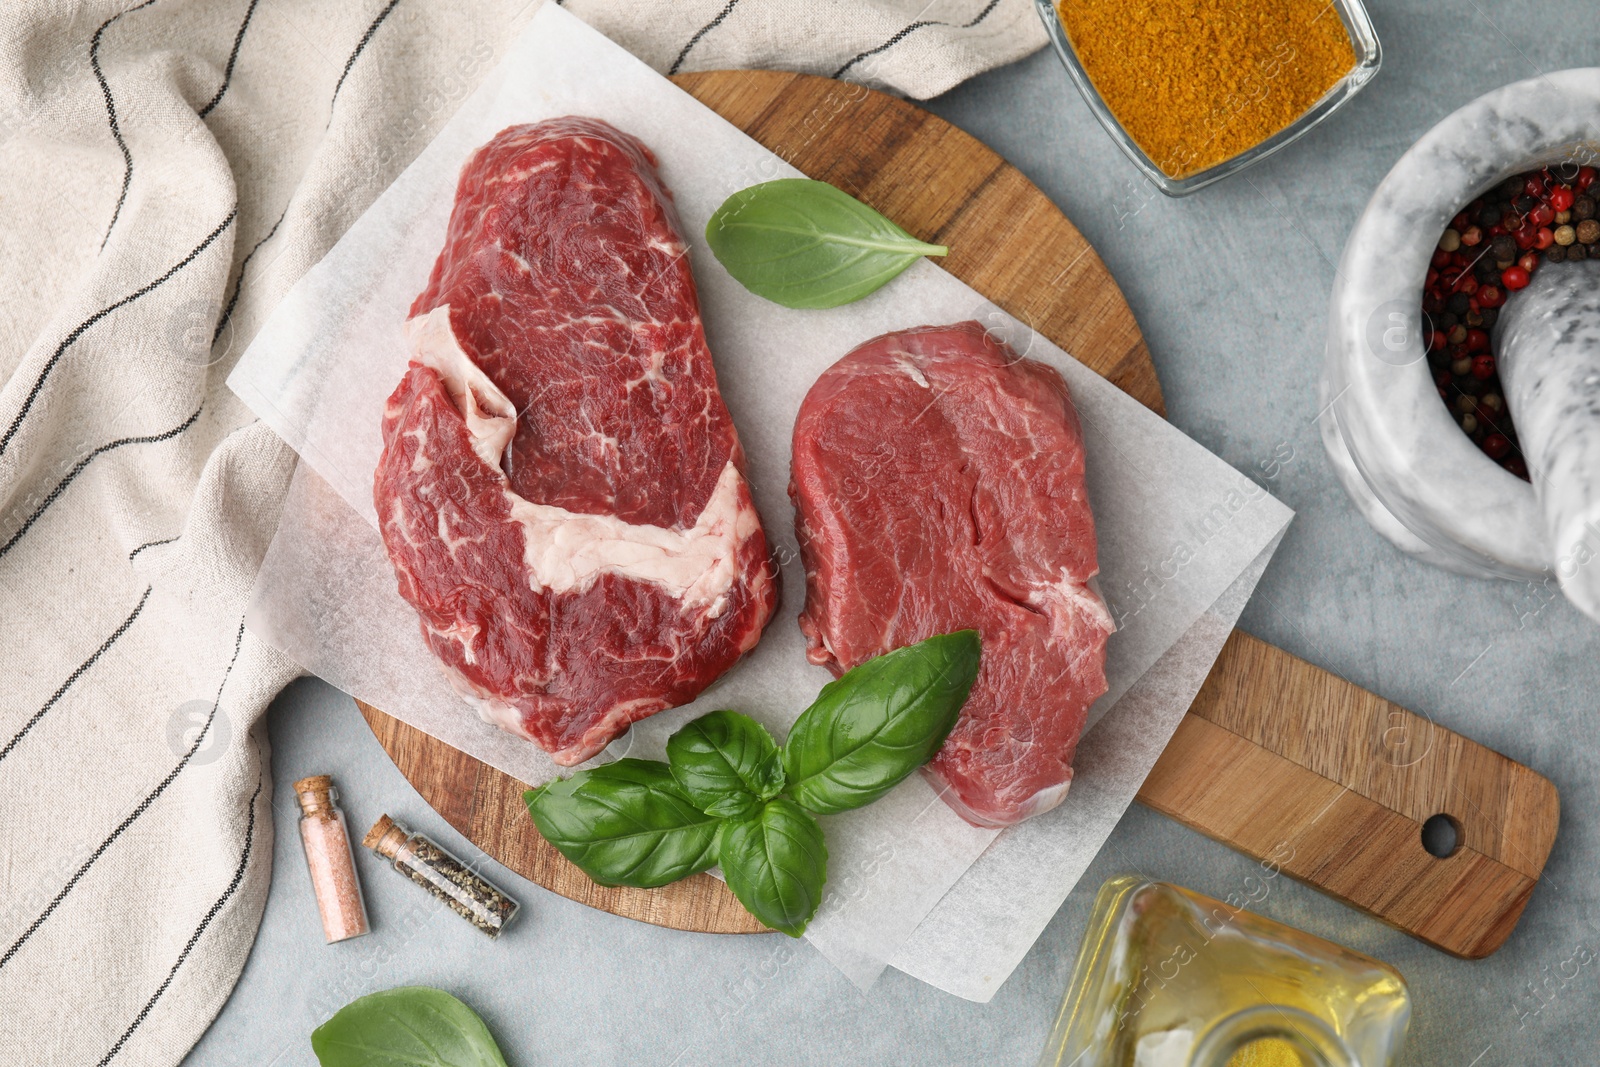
(566, 551)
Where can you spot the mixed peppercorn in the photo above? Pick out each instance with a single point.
(1491, 249)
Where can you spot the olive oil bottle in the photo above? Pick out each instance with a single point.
(1169, 978)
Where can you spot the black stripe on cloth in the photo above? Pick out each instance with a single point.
(233, 57)
(111, 113)
(365, 38)
(238, 283)
(75, 675)
(150, 544)
(79, 467)
(701, 32)
(144, 805)
(909, 30)
(79, 330)
(194, 938)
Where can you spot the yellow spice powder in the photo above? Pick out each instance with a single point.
(1195, 82)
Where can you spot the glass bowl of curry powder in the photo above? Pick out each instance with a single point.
(1195, 90)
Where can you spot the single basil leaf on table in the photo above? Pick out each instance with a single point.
(726, 764)
(805, 244)
(874, 725)
(625, 823)
(776, 863)
(413, 1026)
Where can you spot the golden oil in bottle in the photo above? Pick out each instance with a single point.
(1169, 978)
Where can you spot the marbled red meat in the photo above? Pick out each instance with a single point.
(938, 481)
(561, 489)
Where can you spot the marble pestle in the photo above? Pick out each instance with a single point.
(1548, 340)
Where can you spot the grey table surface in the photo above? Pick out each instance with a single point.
(1230, 287)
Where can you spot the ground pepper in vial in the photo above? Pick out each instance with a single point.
(330, 859)
(465, 891)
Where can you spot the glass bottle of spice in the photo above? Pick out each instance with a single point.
(1169, 978)
(464, 890)
(330, 859)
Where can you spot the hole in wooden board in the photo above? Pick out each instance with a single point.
(1441, 836)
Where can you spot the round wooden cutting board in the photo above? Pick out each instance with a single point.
(1006, 240)
(1274, 750)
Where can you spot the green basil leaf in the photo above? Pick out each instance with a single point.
(877, 723)
(726, 763)
(413, 1026)
(805, 244)
(626, 823)
(776, 864)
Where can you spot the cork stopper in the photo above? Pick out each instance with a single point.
(385, 837)
(315, 793)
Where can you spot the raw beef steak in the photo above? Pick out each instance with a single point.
(938, 485)
(561, 488)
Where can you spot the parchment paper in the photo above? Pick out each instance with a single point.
(1178, 528)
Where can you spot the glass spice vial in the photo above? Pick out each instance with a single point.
(463, 890)
(1169, 978)
(330, 859)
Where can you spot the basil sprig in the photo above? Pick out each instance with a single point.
(806, 244)
(730, 794)
(413, 1025)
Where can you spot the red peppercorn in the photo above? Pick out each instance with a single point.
(1430, 278)
(1468, 284)
(1435, 340)
(1514, 278)
(1460, 222)
(1560, 198)
(1442, 379)
(1544, 238)
(1529, 262)
(1490, 296)
(1544, 214)
(1516, 466)
(1534, 186)
(1441, 258)
(1586, 177)
(1472, 236)
(1525, 237)
(1483, 367)
(1496, 444)
(1477, 340)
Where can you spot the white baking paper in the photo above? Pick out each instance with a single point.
(1178, 528)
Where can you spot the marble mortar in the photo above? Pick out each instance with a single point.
(1412, 473)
